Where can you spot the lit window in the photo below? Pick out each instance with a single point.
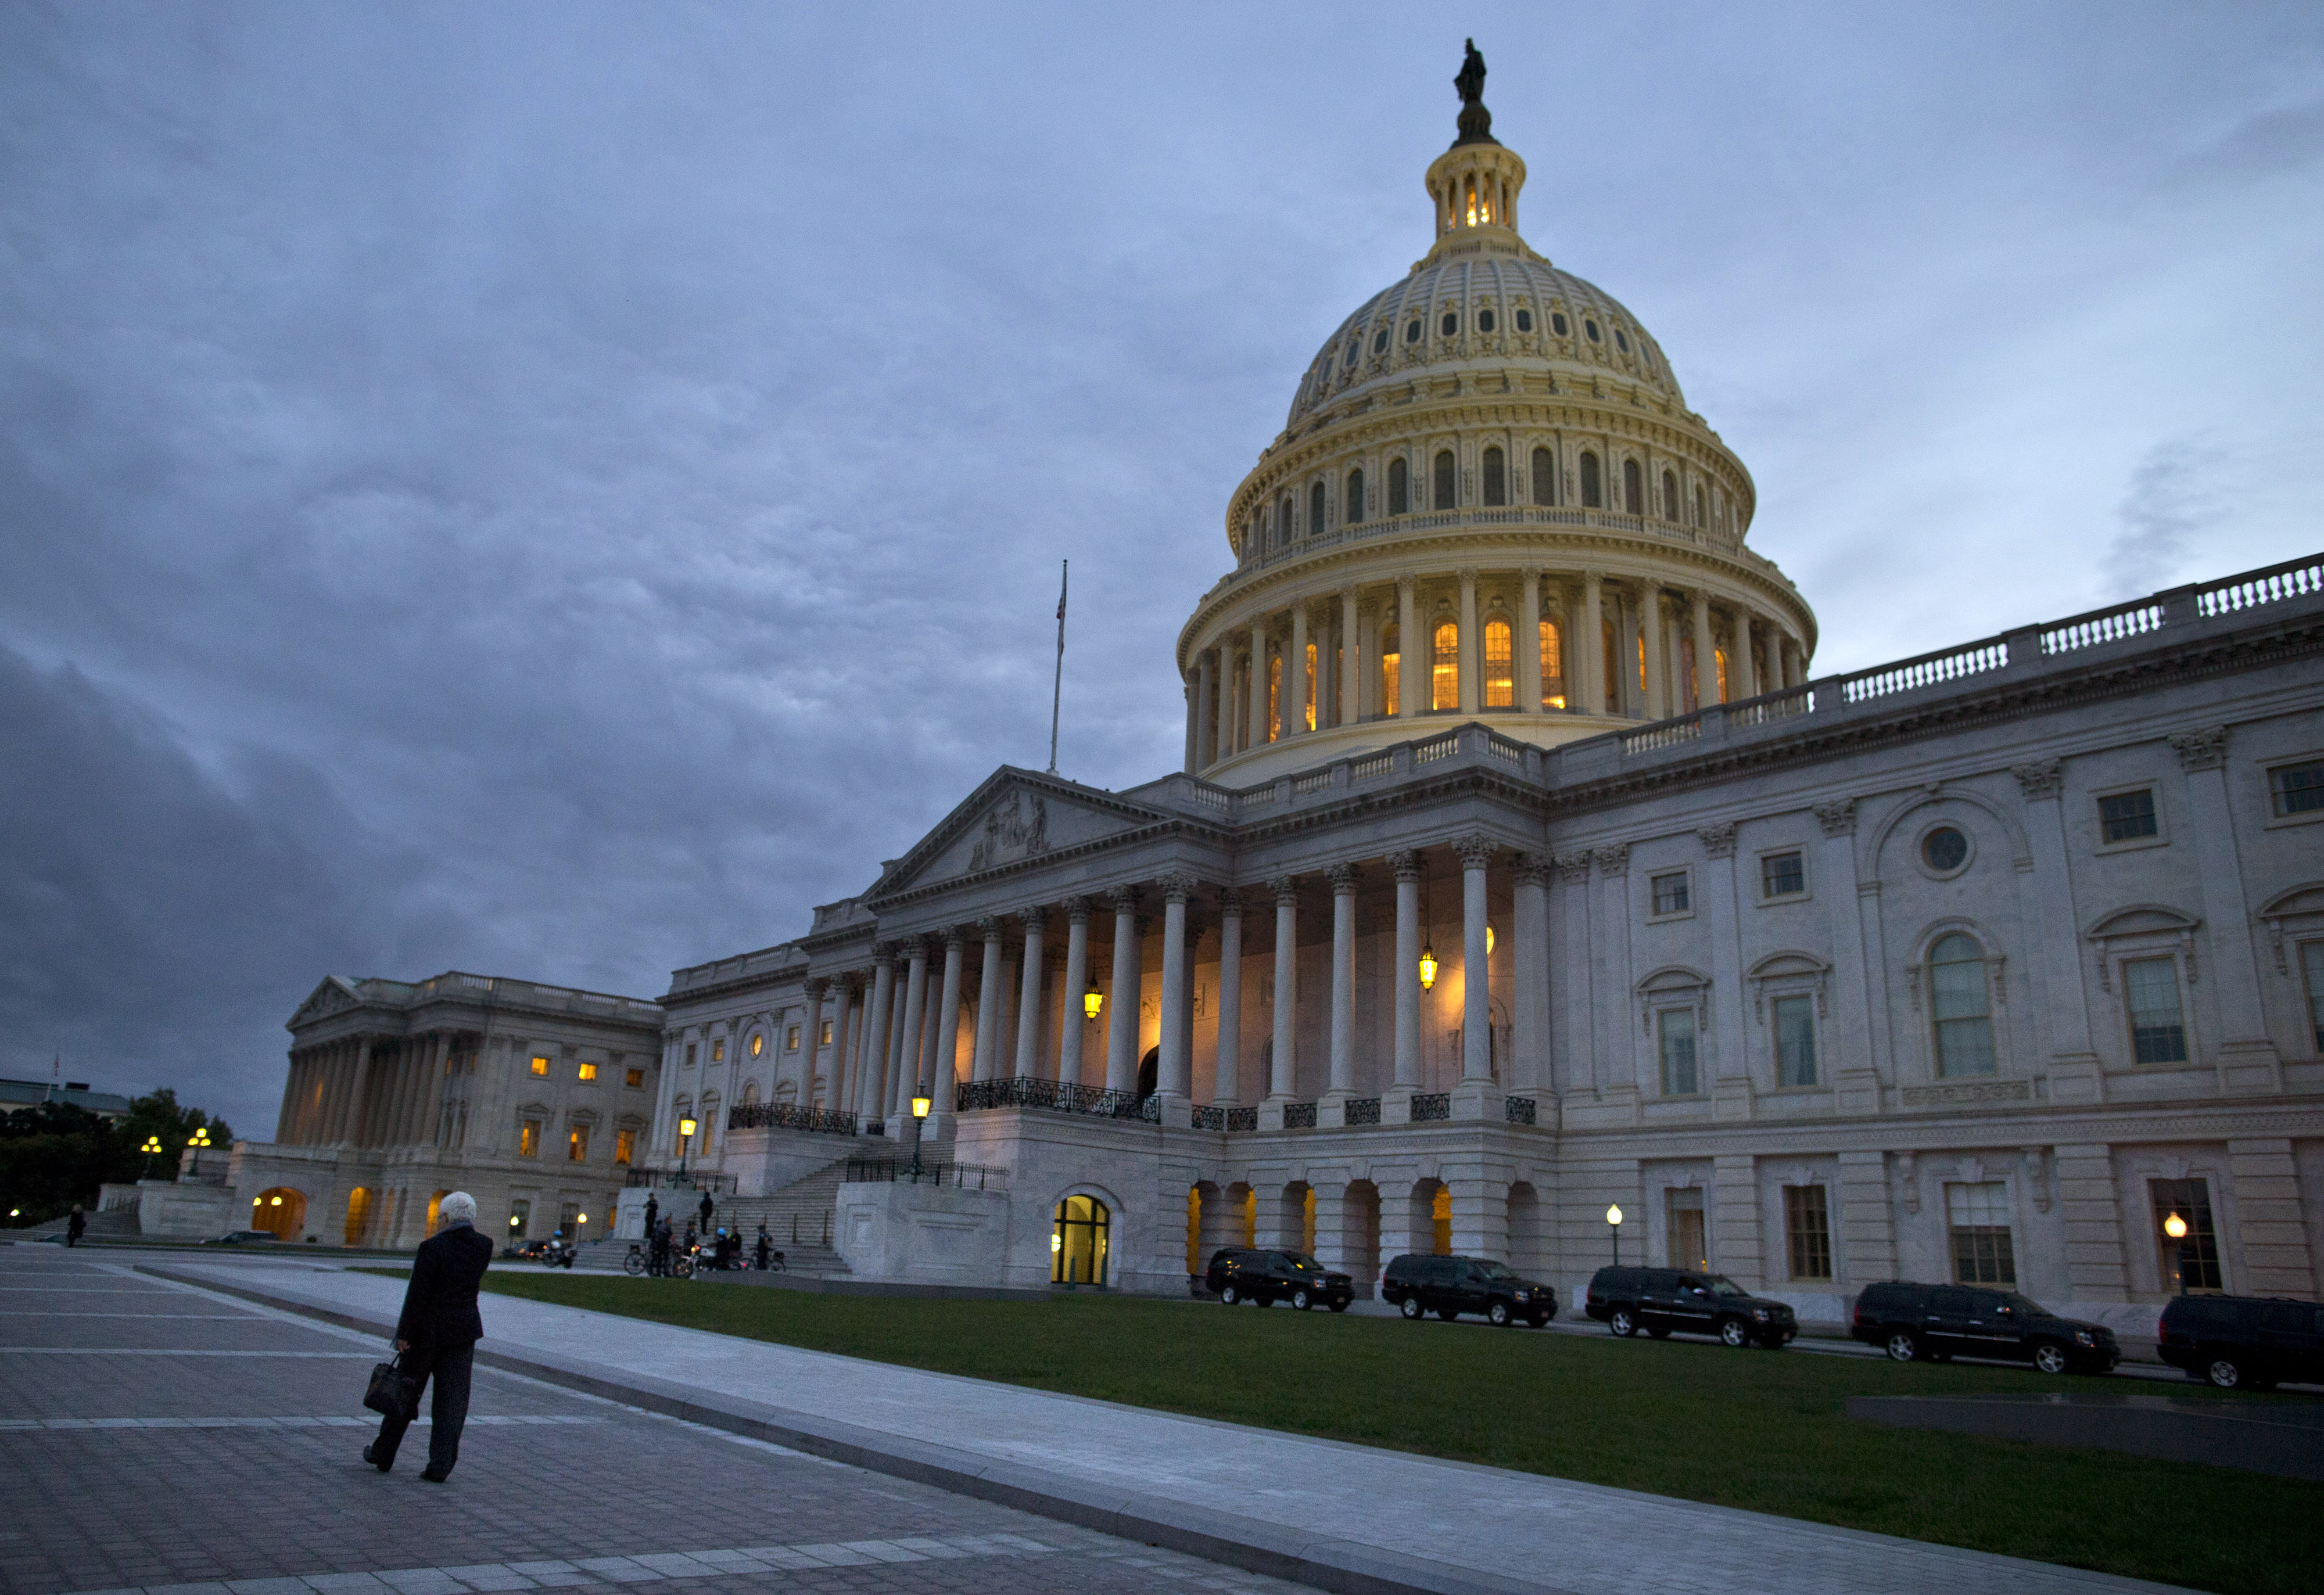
(1795, 1056)
(1557, 323)
(1484, 321)
(718, 1050)
(577, 1145)
(1675, 1033)
(1633, 497)
(2150, 987)
(1274, 697)
(587, 1072)
(1783, 875)
(1807, 1227)
(2191, 1262)
(1544, 476)
(1445, 478)
(1670, 891)
(790, 1038)
(527, 1139)
(2126, 817)
(1719, 669)
(1501, 673)
(1309, 711)
(1391, 657)
(1496, 478)
(540, 1064)
(824, 1038)
(1353, 511)
(1958, 1006)
(625, 1146)
(1315, 502)
(1452, 323)
(758, 1043)
(1590, 328)
(1553, 667)
(1400, 487)
(1592, 493)
(1944, 850)
(1979, 1218)
(1524, 320)
(635, 1079)
(1444, 677)
(2297, 788)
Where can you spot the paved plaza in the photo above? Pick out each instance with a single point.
(157, 1437)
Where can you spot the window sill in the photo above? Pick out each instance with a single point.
(1785, 901)
(2134, 844)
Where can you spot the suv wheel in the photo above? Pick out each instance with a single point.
(2225, 1372)
(1904, 1346)
(1300, 1300)
(1734, 1332)
(1623, 1322)
(1411, 1307)
(2050, 1357)
(1229, 1295)
(1498, 1314)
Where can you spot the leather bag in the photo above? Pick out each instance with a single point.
(392, 1393)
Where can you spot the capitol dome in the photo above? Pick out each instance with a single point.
(1488, 501)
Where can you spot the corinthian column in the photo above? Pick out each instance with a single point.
(1471, 653)
(944, 1041)
(1121, 1033)
(1258, 683)
(1287, 986)
(1476, 976)
(1413, 666)
(1589, 647)
(1343, 979)
(1660, 704)
(872, 1084)
(1069, 1040)
(1226, 1088)
(1028, 996)
(1347, 703)
(1746, 664)
(1174, 1075)
(808, 1036)
(1295, 674)
(905, 1077)
(1706, 661)
(1407, 868)
(984, 1063)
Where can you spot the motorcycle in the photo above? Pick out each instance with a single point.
(558, 1254)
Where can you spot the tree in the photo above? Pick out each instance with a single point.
(55, 1154)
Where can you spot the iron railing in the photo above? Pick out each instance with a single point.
(1363, 1111)
(1433, 1105)
(788, 1116)
(1210, 1118)
(1056, 1097)
(671, 1179)
(965, 1176)
(1242, 1119)
(1298, 1115)
(1520, 1111)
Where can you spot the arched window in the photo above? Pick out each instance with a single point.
(1287, 518)
(1452, 324)
(1591, 497)
(1553, 667)
(1633, 492)
(1689, 700)
(1959, 1006)
(1078, 1245)
(1274, 697)
(1354, 502)
(1496, 478)
(1445, 673)
(1670, 495)
(1698, 504)
(1391, 659)
(1400, 487)
(1544, 476)
(1612, 661)
(1718, 658)
(1484, 321)
(1500, 671)
(1444, 479)
(1642, 666)
(1310, 711)
(750, 1093)
(1315, 499)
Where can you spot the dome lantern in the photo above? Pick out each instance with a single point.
(1475, 183)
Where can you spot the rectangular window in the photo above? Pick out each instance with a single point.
(519, 1218)
(2297, 788)
(2191, 1263)
(1670, 893)
(718, 1050)
(1683, 1214)
(1675, 1028)
(1980, 1217)
(689, 1055)
(625, 1146)
(588, 1071)
(791, 1039)
(1807, 1228)
(540, 1064)
(1783, 875)
(1391, 669)
(2311, 964)
(2126, 817)
(824, 1038)
(635, 1079)
(577, 1145)
(2150, 986)
(1795, 1054)
(527, 1139)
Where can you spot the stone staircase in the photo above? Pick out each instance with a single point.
(798, 1218)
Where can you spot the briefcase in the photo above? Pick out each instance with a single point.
(392, 1393)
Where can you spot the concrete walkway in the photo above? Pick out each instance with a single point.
(1333, 1516)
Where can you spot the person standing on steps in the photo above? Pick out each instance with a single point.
(653, 1215)
(436, 1337)
(708, 1205)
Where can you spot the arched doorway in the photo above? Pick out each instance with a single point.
(435, 1210)
(358, 1214)
(1149, 1072)
(280, 1211)
(1079, 1244)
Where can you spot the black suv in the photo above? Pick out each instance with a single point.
(1239, 1273)
(1941, 1322)
(1450, 1287)
(2246, 1342)
(1662, 1301)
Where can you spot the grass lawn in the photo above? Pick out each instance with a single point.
(1764, 1431)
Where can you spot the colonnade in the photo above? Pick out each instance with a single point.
(1369, 652)
(364, 1090)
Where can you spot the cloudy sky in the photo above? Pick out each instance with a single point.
(557, 489)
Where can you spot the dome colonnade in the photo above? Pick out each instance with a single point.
(1490, 499)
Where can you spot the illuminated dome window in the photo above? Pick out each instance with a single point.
(1557, 323)
(1524, 320)
(1590, 328)
(1484, 321)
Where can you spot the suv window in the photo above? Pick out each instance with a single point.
(1951, 1298)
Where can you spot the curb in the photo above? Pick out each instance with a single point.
(1340, 1566)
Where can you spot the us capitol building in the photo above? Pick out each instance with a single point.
(1519, 866)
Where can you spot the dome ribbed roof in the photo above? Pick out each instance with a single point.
(1375, 347)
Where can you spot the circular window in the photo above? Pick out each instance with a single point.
(1944, 850)
(1590, 328)
(1557, 324)
(1412, 331)
(1379, 340)
(757, 1044)
(1524, 320)
(1452, 323)
(1622, 340)
(1484, 321)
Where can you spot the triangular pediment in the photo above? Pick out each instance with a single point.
(336, 994)
(1015, 818)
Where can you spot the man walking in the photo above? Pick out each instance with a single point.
(76, 1226)
(437, 1336)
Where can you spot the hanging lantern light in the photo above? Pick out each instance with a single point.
(1427, 967)
(1488, 941)
(1092, 1002)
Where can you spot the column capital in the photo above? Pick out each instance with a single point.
(1407, 585)
(1468, 573)
(1718, 840)
(816, 987)
(1124, 899)
(1343, 878)
(1035, 919)
(954, 935)
(2043, 778)
(1231, 901)
(1286, 888)
(1177, 887)
(1077, 911)
(2202, 750)
(989, 927)
(1594, 578)
(909, 947)
(1407, 865)
(1532, 868)
(1614, 861)
(1345, 593)
(1476, 852)
(883, 954)
(1837, 817)
(1573, 866)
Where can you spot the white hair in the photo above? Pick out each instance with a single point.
(459, 1208)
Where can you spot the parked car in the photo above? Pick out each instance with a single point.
(1247, 1273)
(245, 1238)
(1941, 1322)
(1450, 1287)
(1674, 1300)
(2244, 1342)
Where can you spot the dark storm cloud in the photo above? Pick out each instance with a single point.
(560, 490)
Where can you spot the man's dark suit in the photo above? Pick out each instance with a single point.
(441, 1325)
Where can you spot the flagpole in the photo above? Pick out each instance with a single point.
(1058, 688)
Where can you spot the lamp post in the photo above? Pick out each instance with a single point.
(685, 1140)
(2176, 1228)
(1614, 1228)
(920, 1105)
(152, 1149)
(200, 1139)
